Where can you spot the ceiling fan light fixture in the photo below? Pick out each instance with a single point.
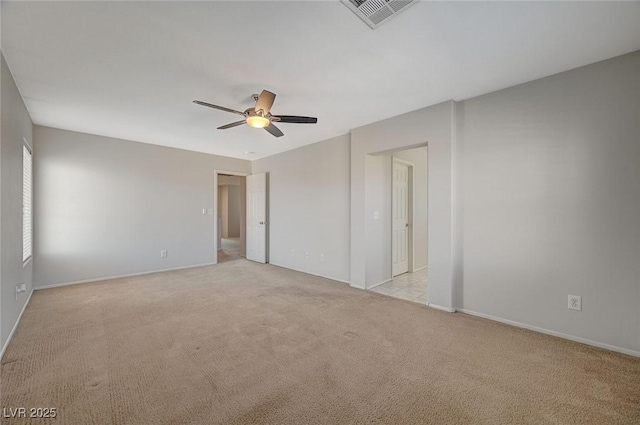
(260, 116)
(257, 121)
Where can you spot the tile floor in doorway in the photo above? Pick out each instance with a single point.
(408, 286)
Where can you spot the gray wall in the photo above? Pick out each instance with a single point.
(309, 207)
(435, 126)
(234, 211)
(533, 196)
(16, 126)
(551, 194)
(229, 208)
(107, 207)
(223, 209)
(378, 204)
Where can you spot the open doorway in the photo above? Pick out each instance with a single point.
(407, 201)
(231, 217)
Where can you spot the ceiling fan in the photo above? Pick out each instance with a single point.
(260, 115)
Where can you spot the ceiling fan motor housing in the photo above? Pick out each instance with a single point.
(251, 112)
(257, 119)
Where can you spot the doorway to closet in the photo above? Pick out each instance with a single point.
(407, 201)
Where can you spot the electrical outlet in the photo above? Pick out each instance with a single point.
(575, 302)
(293, 252)
(322, 258)
(204, 211)
(20, 288)
(163, 253)
(306, 254)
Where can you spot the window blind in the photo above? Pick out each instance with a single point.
(26, 203)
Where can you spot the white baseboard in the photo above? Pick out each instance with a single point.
(554, 333)
(78, 282)
(439, 307)
(419, 268)
(15, 326)
(313, 274)
(379, 283)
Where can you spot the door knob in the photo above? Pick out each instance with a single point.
(262, 222)
(406, 225)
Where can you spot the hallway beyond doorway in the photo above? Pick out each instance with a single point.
(230, 250)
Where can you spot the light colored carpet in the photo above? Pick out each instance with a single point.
(243, 343)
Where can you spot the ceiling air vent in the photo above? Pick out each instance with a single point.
(376, 12)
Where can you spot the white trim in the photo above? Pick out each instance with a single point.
(24, 307)
(402, 161)
(380, 283)
(232, 173)
(441, 308)
(78, 282)
(420, 268)
(29, 145)
(358, 287)
(312, 274)
(554, 333)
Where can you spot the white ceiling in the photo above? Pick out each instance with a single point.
(131, 69)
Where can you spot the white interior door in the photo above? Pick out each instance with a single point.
(257, 217)
(400, 226)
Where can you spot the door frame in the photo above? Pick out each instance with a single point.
(410, 243)
(215, 206)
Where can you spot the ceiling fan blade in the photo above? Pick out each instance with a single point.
(222, 108)
(294, 119)
(274, 130)
(233, 124)
(265, 101)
